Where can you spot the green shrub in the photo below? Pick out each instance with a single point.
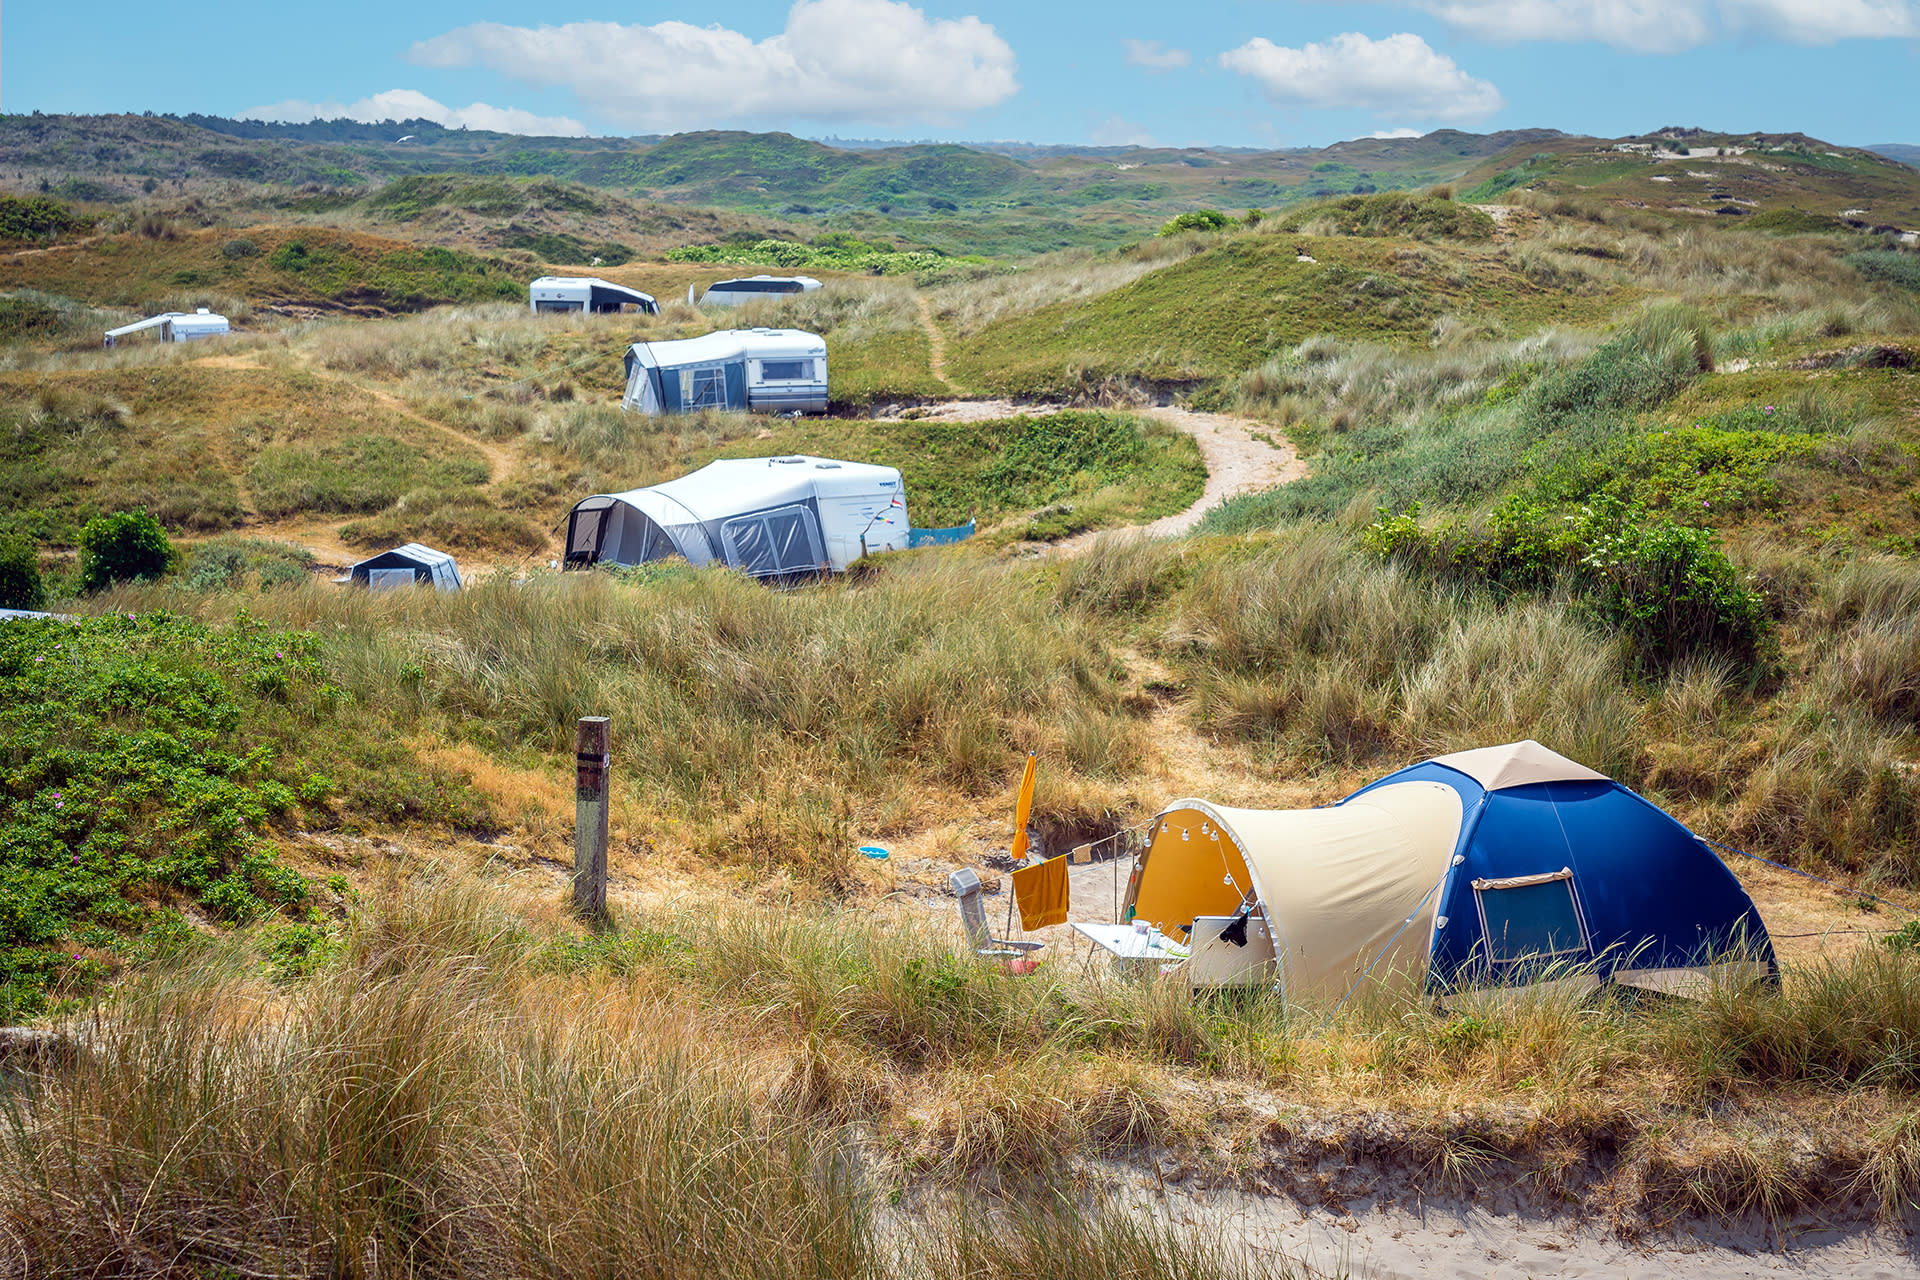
(20, 584)
(227, 563)
(1696, 473)
(1887, 266)
(1196, 220)
(38, 218)
(140, 775)
(240, 247)
(127, 546)
(1665, 587)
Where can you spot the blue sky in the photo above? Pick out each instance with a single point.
(1243, 74)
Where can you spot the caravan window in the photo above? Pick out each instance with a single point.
(784, 540)
(703, 388)
(786, 370)
(1531, 917)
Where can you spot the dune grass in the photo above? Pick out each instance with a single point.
(466, 1082)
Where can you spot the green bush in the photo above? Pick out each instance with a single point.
(20, 584)
(1888, 266)
(1196, 220)
(127, 546)
(1697, 474)
(142, 774)
(1665, 587)
(240, 247)
(38, 218)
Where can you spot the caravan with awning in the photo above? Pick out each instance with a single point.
(767, 517)
(1493, 867)
(175, 326)
(762, 370)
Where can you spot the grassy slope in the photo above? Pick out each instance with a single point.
(1230, 307)
(205, 448)
(1776, 172)
(274, 266)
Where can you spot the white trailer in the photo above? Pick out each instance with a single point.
(176, 326)
(732, 293)
(586, 293)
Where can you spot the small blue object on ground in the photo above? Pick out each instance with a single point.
(874, 851)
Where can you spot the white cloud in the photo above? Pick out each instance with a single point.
(1671, 26)
(1397, 76)
(1149, 54)
(1645, 26)
(870, 60)
(1397, 133)
(410, 104)
(1115, 132)
(1821, 21)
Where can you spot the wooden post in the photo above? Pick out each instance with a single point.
(591, 761)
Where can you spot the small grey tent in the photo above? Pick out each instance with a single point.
(762, 370)
(768, 517)
(406, 566)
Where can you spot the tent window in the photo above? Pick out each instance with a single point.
(389, 579)
(703, 388)
(585, 532)
(783, 540)
(786, 370)
(1531, 917)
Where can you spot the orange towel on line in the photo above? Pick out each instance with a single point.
(1041, 892)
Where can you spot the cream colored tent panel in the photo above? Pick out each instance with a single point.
(1337, 885)
(1516, 764)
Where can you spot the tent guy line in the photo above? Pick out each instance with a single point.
(1781, 866)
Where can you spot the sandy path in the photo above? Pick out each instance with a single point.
(1448, 1237)
(1242, 456)
(936, 342)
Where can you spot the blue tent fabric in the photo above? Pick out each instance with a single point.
(1648, 893)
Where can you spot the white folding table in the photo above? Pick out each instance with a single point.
(1125, 943)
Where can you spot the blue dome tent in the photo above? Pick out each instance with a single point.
(1489, 867)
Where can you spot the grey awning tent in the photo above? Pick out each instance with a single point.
(406, 566)
(763, 370)
(768, 517)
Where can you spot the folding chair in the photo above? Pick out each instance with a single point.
(965, 884)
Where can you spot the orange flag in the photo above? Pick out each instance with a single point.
(1022, 811)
